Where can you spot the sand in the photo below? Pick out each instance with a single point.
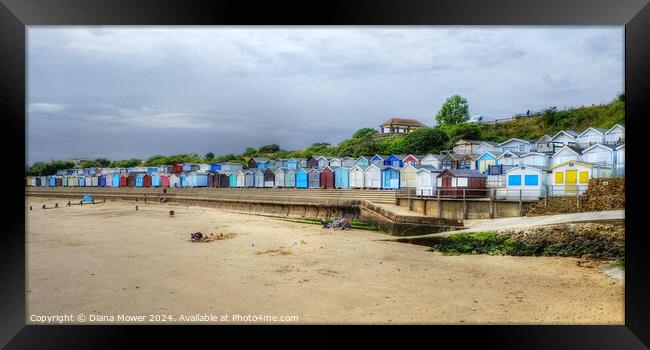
(109, 259)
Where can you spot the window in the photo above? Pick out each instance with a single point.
(584, 177)
(559, 177)
(522, 148)
(439, 182)
(462, 182)
(531, 180)
(514, 180)
(454, 182)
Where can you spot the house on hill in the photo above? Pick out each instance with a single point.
(399, 126)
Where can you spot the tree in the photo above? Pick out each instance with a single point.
(361, 133)
(467, 131)
(455, 110)
(267, 149)
(250, 151)
(425, 140)
(209, 155)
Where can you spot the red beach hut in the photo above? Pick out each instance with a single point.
(123, 180)
(327, 178)
(146, 181)
(164, 181)
(177, 168)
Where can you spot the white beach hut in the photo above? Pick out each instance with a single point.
(372, 176)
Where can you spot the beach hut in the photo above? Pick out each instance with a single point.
(59, 181)
(52, 181)
(327, 178)
(509, 159)
(292, 163)
(211, 179)
(151, 169)
(232, 179)
(342, 177)
(165, 180)
(177, 168)
(485, 160)
(411, 159)
(390, 177)
(215, 167)
(203, 168)
(256, 162)
(408, 176)
(278, 163)
(372, 176)
(452, 160)
(139, 180)
(463, 146)
(573, 177)
(108, 180)
(312, 161)
(600, 153)
(290, 178)
(334, 162)
(64, 181)
(620, 160)
(590, 137)
(102, 181)
(394, 161)
(434, 160)
(174, 180)
(146, 180)
(240, 177)
(485, 146)
(155, 180)
(378, 159)
(81, 181)
(182, 180)
(28, 181)
(566, 154)
(518, 145)
(269, 178)
(187, 167)
(279, 177)
(525, 182)
(302, 163)
(234, 167)
(355, 176)
(362, 161)
(545, 144)
(426, 178)
(94, 181)
(535, 159)
(302, 178)
(249, 178)
(313, 178)
(459, 183)
(124, 180)
(32, 181)
(615, 134)
(565, 137)
(468, 161)
(130, 180)
(37, 181)
(115, 180)
(259, 177)
(347, 162)
(323, 162)
(222, 179)
(197, 179)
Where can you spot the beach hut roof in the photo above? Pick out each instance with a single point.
(598, 130)
(535, 167)
(464, 172)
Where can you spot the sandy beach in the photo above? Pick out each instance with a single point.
(109, 259)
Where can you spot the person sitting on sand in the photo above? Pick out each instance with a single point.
(335, 223)
(325, 223)
(345, 224)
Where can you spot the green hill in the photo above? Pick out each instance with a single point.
(552, 120)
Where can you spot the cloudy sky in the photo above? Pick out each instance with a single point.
(123, 92)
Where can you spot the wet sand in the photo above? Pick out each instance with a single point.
(109, 259)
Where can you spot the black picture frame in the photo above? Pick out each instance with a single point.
(15, 15)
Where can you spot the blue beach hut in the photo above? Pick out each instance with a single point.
(302, 178)
(82, 181)
(115, 180)
(155, 180)
(215, 167)
(292, 163)
(182, 180)
(394, 161)
(139, 180)
(341, 177)
(232, 180)
(390, 178)
(52, 181)
(102, 181)
(362, 162)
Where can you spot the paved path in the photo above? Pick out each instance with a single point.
(525, 221)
